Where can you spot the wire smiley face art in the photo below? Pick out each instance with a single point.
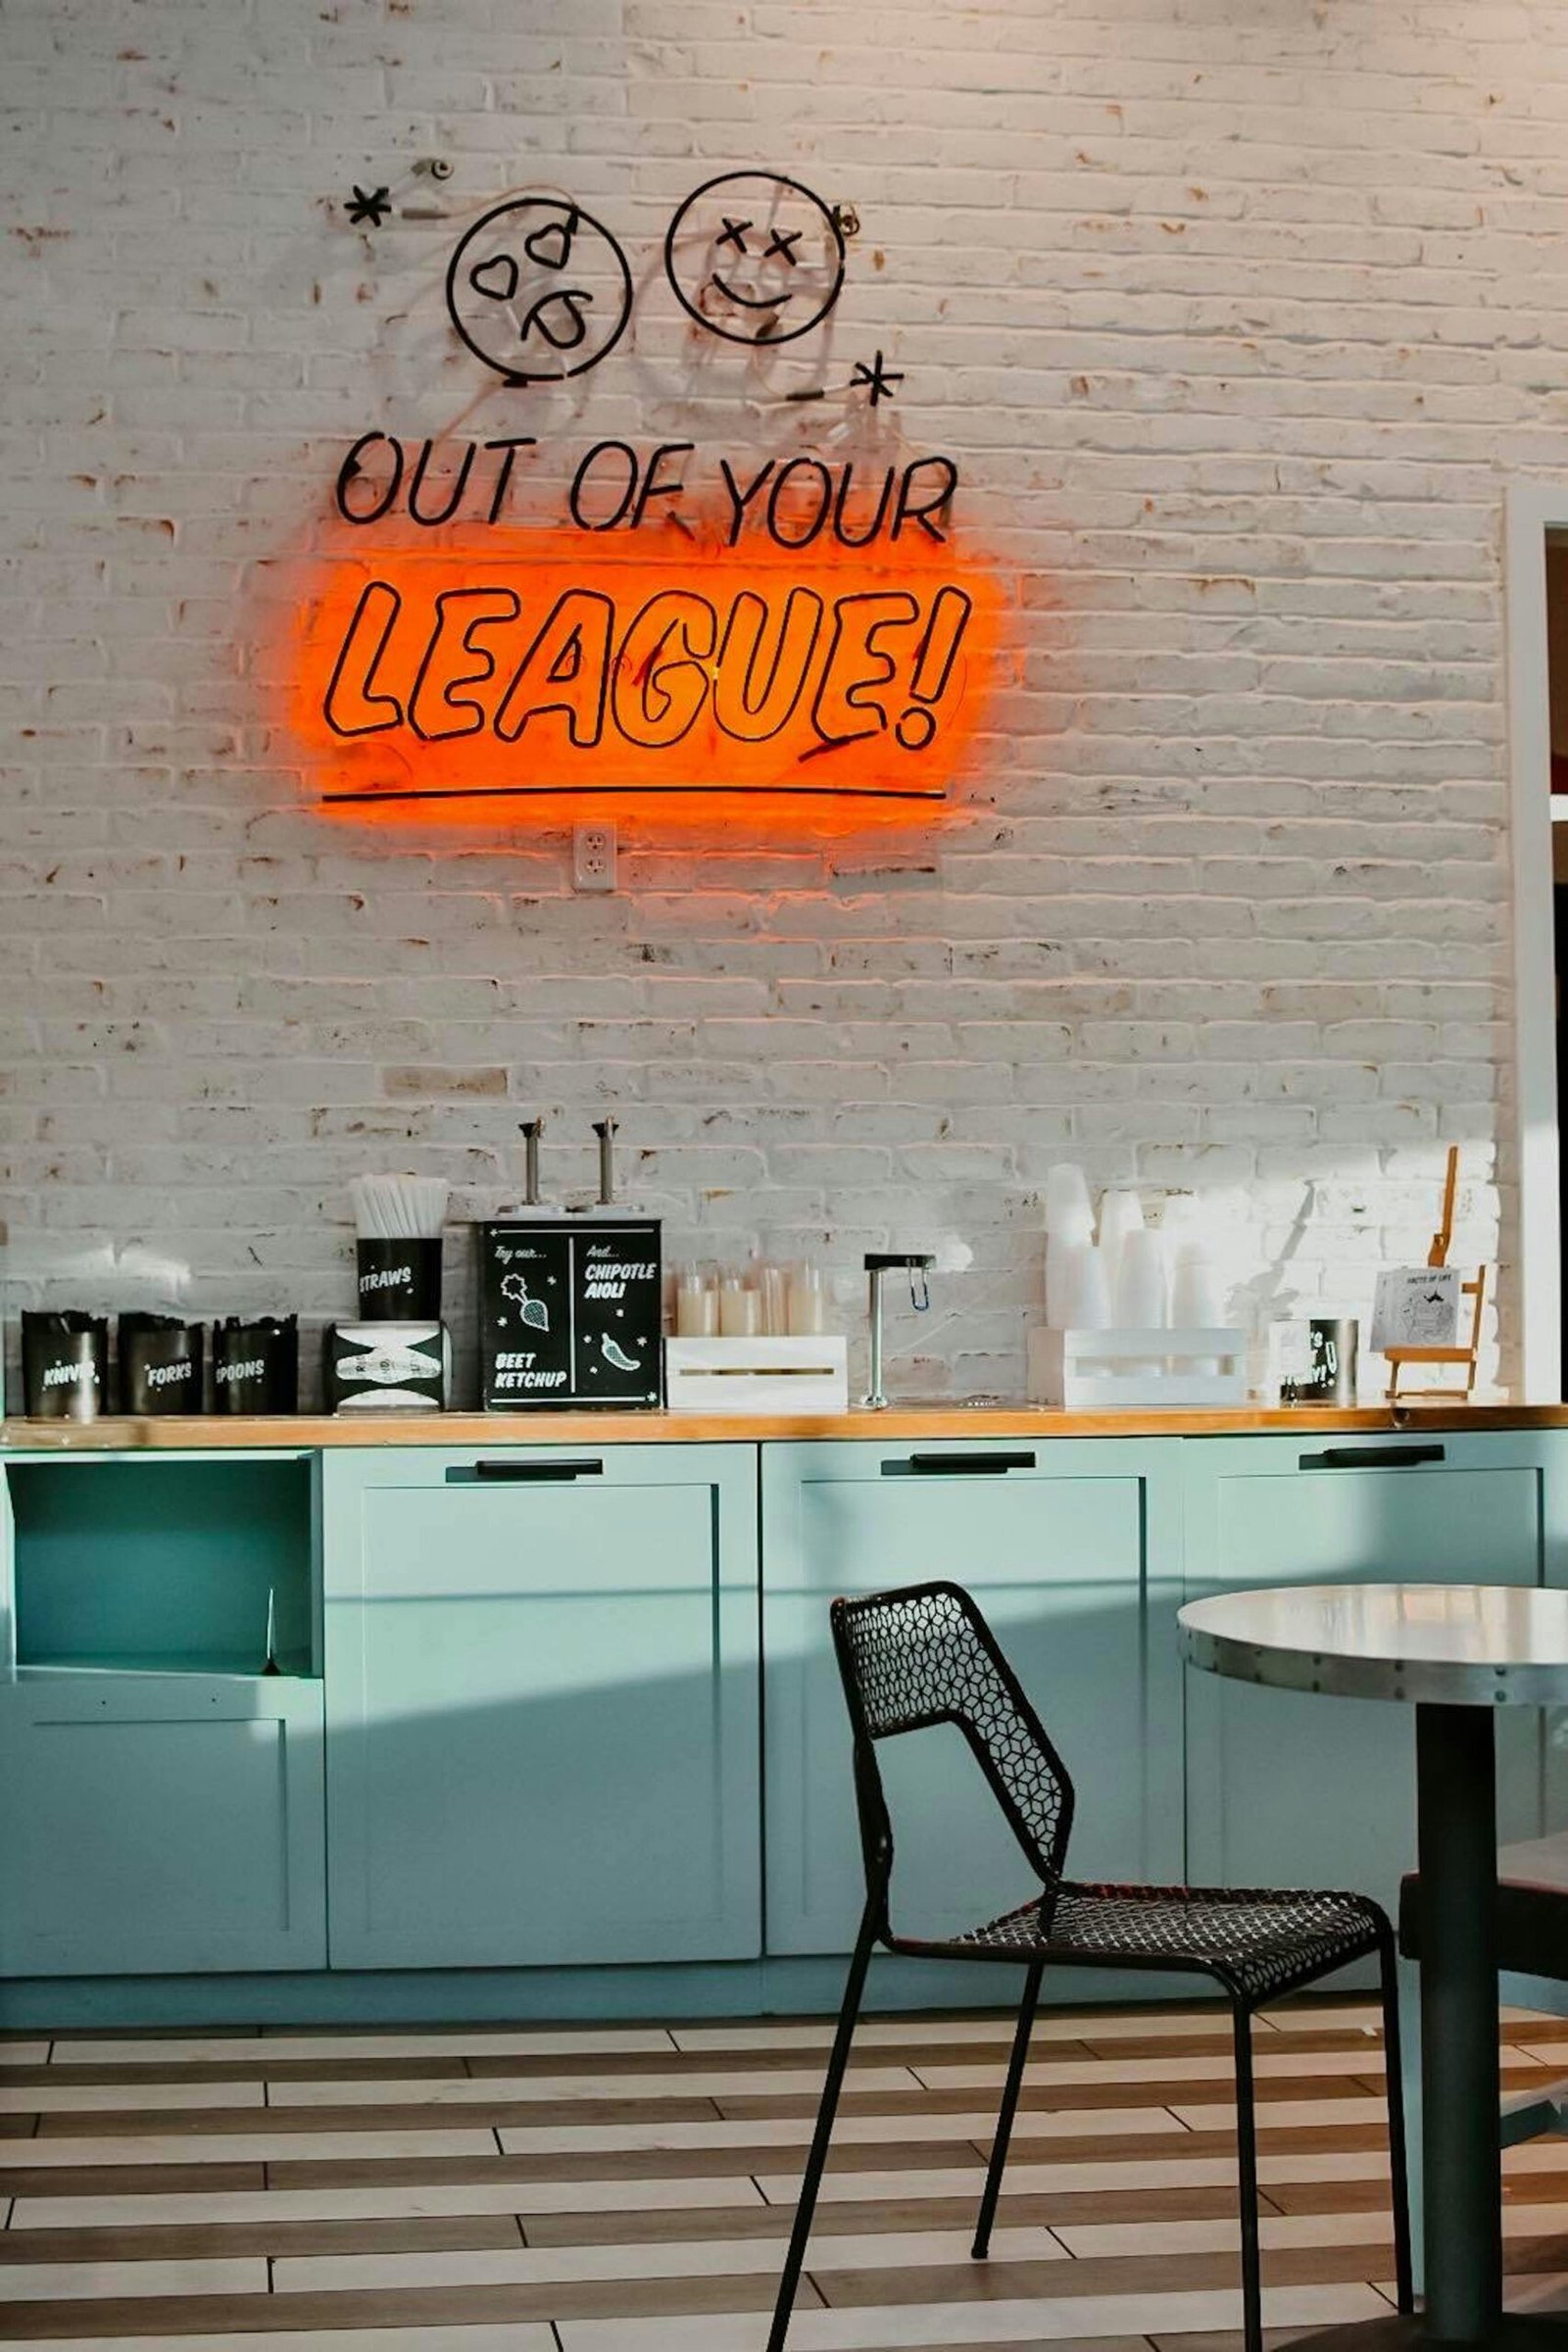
(539, 290)
(756, 258)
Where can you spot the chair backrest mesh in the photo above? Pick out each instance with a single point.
(925, 1655)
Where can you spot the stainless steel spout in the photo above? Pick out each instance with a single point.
(877, 1263)
(605, 1129)
(531, 1129)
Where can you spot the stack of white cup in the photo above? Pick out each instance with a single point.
(1124, 1280)
(1072, 1268)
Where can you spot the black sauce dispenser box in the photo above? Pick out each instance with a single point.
(571, 1312)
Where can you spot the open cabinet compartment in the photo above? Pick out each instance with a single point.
(164, 1566)
(167, 1809)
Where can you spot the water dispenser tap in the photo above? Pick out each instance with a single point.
(917, 1263)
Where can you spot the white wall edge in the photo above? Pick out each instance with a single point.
(1533, 508)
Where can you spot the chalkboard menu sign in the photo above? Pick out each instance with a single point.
(571, 1312)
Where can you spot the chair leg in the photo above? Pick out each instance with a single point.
(1247, 2166)
(816, 2158)
(1409, 1978)
(1399, 2166)
(1010, 2108)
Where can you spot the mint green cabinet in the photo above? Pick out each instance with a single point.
(540, 1737)
(164, 1799)
(1290, 1789)
(1553, 1448)
(1075, 1557)
(160, 1823)
(542, 1705)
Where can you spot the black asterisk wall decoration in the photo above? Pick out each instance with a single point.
(371, 208)
(878, 380)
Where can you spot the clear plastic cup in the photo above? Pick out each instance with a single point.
(740, 1308)
(808, 1300)
(696, 1303)
(773, 1285)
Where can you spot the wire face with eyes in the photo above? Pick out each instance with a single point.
(539, 290)
(755, 258)
(782, 242)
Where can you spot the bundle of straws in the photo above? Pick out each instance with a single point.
(399, 1207)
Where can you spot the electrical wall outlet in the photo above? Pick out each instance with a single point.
(593, 858)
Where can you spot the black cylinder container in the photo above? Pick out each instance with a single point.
(400, 1280)
(160, 1364)
(1335, 1340)
(65, 1365)
(256, 1365)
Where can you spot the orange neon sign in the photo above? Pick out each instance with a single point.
(533, 663)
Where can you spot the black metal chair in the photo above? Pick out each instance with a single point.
(1532, 1909)
(925, 1655)
(1532, 1936)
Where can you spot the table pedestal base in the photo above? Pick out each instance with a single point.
(1514, 2331)
(1456, 1790)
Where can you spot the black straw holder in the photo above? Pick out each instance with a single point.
(399, 1279)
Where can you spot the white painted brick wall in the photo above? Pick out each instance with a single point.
(1236, 316)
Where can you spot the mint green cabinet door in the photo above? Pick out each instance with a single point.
(1551, 1446)
(542, 1705)
(1286, 1788)
(8, 1556)
(1076, 1561)
(160, 1823)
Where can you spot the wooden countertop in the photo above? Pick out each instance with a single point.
(936, 1424)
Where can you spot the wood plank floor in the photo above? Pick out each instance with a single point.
(627, 2189)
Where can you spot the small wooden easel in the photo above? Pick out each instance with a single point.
(1476, 1291)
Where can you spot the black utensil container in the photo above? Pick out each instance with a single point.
(256, 1365)
(161, 1364)
(400, 1281)
(1335, 1339)
(65, 1365)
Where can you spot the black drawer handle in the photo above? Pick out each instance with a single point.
(535, 1473)
(1370, 1457)
(958, 1465)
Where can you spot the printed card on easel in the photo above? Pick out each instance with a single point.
(1416, 1307)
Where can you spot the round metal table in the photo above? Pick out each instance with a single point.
(1455, 1653)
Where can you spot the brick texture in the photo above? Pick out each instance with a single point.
(1235, 320)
